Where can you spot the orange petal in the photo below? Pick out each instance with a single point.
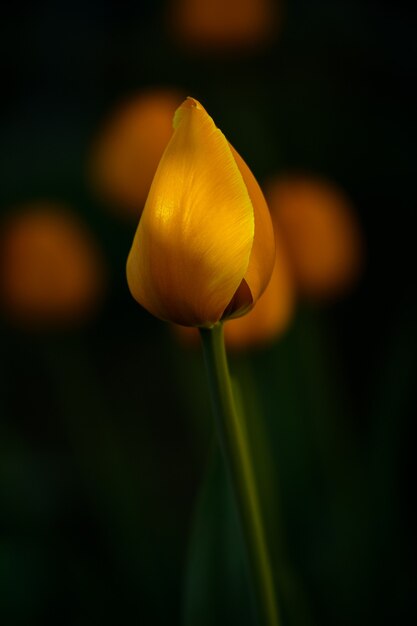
(262, 256)
(193, 243)
(272, 313)
(216, 25)
(266, 321)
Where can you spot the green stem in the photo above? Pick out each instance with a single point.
(235, 446)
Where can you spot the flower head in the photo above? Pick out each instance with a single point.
(204, 248)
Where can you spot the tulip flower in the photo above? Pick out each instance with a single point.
(204, 248)
(203, 253)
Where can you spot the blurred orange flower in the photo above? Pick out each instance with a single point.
(127, 153)
(321, 234)
(223, 25)
(273, 311)
(50, 269)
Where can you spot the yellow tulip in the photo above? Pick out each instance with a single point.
(204, 248)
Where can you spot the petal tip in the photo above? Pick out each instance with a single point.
(189, 103)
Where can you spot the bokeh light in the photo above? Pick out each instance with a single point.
(320, 231)
(128, 149)
(51, 270)
(223, 26)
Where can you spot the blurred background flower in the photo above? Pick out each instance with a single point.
(128, 149)
(51, 269)
(215, 26)
(320, 231)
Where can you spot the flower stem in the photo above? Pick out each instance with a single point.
(235, 447)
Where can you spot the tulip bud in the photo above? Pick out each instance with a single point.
(204, 248)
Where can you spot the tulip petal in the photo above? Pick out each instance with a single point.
(272, 313)
(262, 257)
(193, 243)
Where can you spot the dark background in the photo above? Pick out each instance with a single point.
(102, 446)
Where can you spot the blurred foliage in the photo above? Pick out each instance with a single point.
(105, 429)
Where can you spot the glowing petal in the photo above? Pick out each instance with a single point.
(272, 313)
(193, 243)
(223, 26)
(267, 320)
(263, 250)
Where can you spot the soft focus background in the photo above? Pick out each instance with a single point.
(105, 429)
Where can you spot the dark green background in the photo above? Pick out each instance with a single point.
(102, 446)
